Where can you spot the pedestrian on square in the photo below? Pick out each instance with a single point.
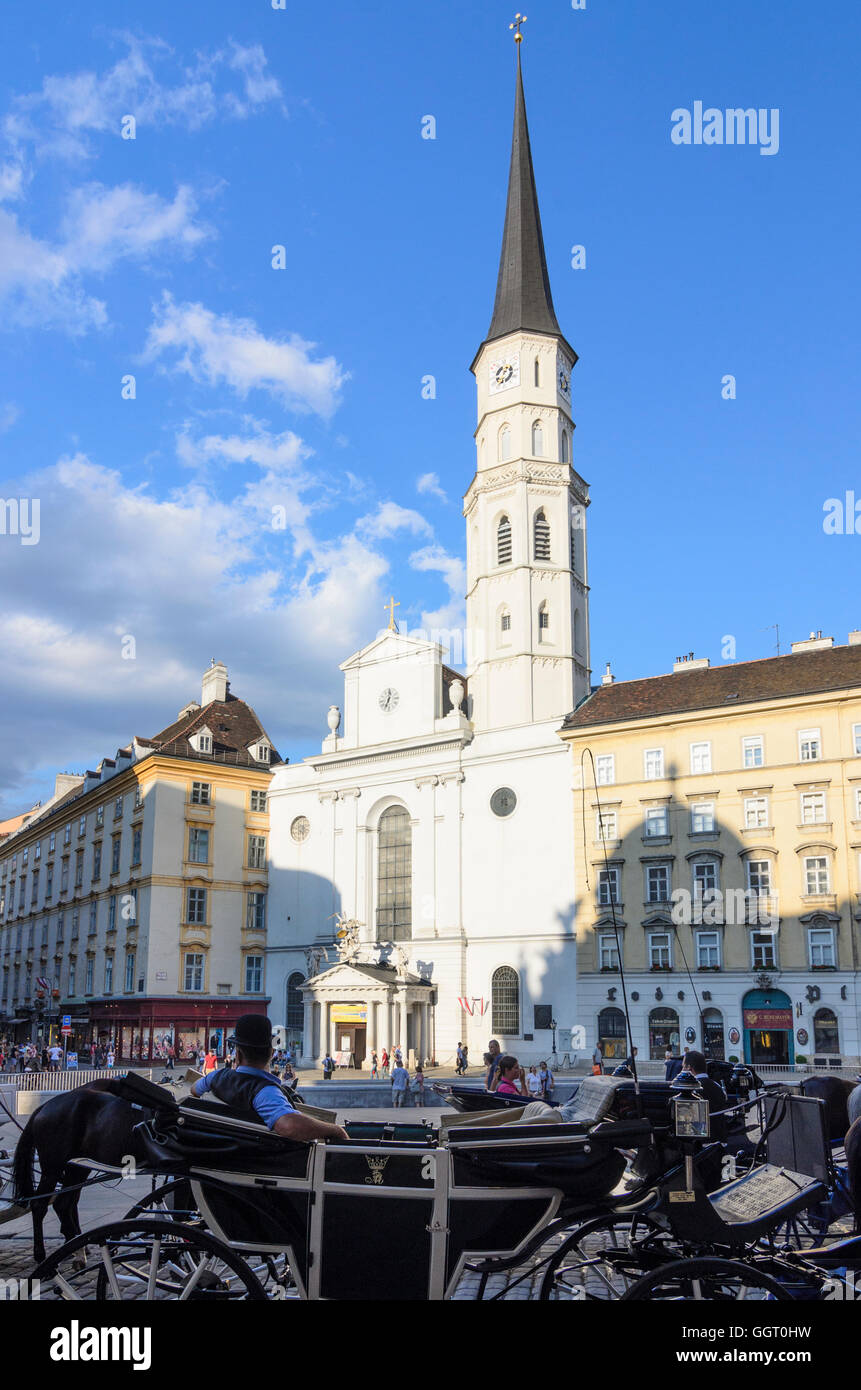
(399, 1057)
(109, 1060)
(465, 1060)
(419, 1085)
(548, 1081)
(512, 1081)
(533, 1084)
(328, 1067)
(385, 1062)
(210, 1062)
(400, 1081)
(458, 1071)
(375, 1071)
(598, 1060)
(493, 1056)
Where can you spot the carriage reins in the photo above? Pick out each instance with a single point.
(612, 905)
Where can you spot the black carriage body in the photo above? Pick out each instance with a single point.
(393, 1218)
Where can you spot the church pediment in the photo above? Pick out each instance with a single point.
(393, 646)
(348, 976)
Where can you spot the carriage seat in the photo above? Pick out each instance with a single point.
(592, 1101)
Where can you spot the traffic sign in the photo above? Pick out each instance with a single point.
(65, 1032)
(66, 1021)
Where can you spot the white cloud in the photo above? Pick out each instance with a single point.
(389, 519)
(8, 415)
(60, 119)
(101, 225)
(434, 559)
(41, 284)
(219, 349)
(428, 484)
(11, 181)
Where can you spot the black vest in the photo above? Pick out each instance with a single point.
(238, 1090)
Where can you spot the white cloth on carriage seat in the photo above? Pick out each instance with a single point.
(592, 1100)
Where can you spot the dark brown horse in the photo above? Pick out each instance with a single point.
(89, 1122)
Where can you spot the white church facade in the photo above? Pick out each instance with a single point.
(435, 829)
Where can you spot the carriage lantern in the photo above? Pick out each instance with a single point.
(690, 1108)
(741, 1079)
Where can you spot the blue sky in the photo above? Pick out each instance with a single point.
(301, 389)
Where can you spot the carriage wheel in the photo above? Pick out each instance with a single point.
(172, 1200)
(603, 1258)
(708, 1280)
(150, 1261)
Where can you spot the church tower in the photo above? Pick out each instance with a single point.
(527, 601)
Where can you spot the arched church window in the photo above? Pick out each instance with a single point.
(505, 624)
(395, 875)
(541, 534)
(578, 631)
(504, 443)
(295, 1006)
(538, 440)
(503, 542)
(565, 458)
(505, 1002)
(537, 372)
(543, 621)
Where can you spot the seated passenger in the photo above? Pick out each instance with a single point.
(695, 1064)
(250, 1086)
(512, 1081)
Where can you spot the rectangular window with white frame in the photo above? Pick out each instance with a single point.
(606, 825)
(88, 979)
(763, 951)
(705, 880)
(256, 912)
(257, 851)
(703, 818)
(608, 887)
(653, 764)
(821, 948)
(657, 822)
(858, 803)
(755, 812)
(753, 751)
(856, 740)
(109, 974)
(129, 982)
(194, 972)
(657, 883)
(253, 974)
(608, 953)
(708, 950)
(605, 769)
(701, 757)
(817, 876)
(814, 810)
(198, 845)
(660, 957)
(195, 910)
(200, 793)
(759, 877)
(258, 800)
(810, 745)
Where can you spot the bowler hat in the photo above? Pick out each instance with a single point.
(252, 1030)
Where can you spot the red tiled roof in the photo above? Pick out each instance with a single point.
(233, 726)
(726, 687)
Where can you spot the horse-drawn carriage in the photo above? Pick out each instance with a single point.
(594, 1199)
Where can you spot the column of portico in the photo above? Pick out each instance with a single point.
(372, 1027)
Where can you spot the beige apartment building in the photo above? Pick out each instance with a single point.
(722, 831)
(135, 901)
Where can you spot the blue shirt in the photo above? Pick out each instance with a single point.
(400, 1077)
(270, 1101)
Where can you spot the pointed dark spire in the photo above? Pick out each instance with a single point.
(523, 298)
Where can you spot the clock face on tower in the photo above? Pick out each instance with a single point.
(504, 373)
(564, 379)
(389, 700)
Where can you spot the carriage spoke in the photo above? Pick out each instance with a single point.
(108, 1263)
(153, 1268)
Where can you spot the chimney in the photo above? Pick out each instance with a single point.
(814, 643)
(690, 663)
(608, 678)
(214, 683)
(65, 782)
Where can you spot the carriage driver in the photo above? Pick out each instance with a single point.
(251, 1086)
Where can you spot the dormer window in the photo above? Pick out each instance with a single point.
(262, 752)
(201, 741)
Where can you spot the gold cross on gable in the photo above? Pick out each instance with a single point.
(390, 609)
(519, 19)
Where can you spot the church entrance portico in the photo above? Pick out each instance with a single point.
(361, 1009)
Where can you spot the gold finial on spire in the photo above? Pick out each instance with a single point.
(390, 609)
(519, 19)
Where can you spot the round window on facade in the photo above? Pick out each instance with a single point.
(300, 829)
(503, 801)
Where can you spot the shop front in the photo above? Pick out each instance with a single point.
(663, 1033)
(767, 1023)
(144, 1031)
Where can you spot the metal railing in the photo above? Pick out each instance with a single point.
(64, 1080)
